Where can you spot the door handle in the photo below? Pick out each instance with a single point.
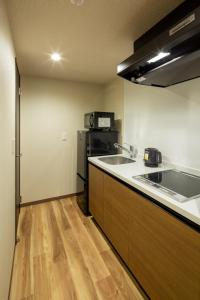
(19, 155)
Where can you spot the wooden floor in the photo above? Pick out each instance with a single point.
(62, 255)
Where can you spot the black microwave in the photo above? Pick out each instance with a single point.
(99, 120)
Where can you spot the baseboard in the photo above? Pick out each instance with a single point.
(48, 199)
(11, 275)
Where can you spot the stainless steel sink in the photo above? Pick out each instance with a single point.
(116, 160)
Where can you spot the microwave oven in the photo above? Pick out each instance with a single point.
(99, 120)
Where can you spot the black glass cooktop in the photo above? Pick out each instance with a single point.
(181, 185)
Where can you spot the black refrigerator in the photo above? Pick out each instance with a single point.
(91, 143)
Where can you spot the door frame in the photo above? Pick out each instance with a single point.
(17, 148)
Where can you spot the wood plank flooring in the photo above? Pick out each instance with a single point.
(62, 255)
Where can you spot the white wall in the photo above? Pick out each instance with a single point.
(114, 102)
(51, 109)
(168, 119)
(114, 97)
(7, 160)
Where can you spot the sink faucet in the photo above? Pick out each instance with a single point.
(131, 151)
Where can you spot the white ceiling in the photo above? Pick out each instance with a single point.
(92, 38)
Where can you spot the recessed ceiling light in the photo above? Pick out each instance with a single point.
(77, 2)
(55, 56)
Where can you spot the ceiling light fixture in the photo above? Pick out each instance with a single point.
(77, 2)
(55, 56)
(158, 57)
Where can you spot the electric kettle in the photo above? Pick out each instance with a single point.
(152, 157)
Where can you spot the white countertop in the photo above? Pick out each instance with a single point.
(189, 209)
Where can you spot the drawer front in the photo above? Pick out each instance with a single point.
(116, 214)
(164, 253)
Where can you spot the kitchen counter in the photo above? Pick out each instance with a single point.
(189, 209)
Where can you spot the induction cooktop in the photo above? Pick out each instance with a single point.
(179, 185)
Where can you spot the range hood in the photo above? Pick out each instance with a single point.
(169, 53)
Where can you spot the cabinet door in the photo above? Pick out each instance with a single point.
(116, 214)
(96, 194)
(164, 253)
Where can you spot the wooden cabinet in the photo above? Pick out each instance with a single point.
(96, 194)
(162, 252)
(116, 212)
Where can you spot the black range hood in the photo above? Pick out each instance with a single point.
(169, 53)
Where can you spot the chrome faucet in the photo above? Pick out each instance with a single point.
(131, 151)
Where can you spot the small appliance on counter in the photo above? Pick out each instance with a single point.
(152, 157)
(99, 120)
